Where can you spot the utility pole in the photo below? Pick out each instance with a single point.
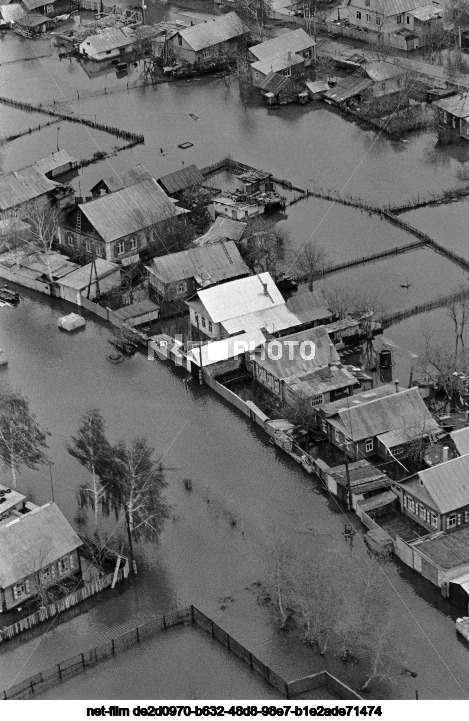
(349, 485)
(201, 372)
(51, 481)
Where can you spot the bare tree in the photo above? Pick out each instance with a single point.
(265, 248)
(22, 441)
(311, 262)
(458, 311)
(38, 238)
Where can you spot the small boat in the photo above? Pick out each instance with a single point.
(8, 295)
(405, 285)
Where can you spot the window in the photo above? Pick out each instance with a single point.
(181, 287)
(378, 21)
(203, 322)
(197, 320)
(99, 251)
(423, 512)
(64, 564)
(287, 72)
(410, 504)
(359, 15)
(454, 121)
(49, 9)
(324, 426)
(70, 239)
(276, 385)
(399, 19)
(368, 18)
(369, 445)
(445, 116)
(47, 574)
(179, 39)
(407, 20)
(338, 436)
(317, 400)
(257, 75)
(398, 450)
(21, 589)
(133, 243)
(88, 246)
(466, 516)
(120, 247)
(210, 327)
(451, 521)
(206, 53)
(434, 519)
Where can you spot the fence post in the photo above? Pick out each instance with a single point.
(59, 671)
(113, 648)
(164, 621)
(83, 659)
(138, 635)
(192, 614)
(213, 630)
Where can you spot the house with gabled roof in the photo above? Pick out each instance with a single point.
(438, 497)
(280, 90)
(119, 224)
(302, 366)
(222, 229)
(288, 55)
(381, 422)
(38, 548)
(311, 308)
(175, 183)
(50, 8)
(240, 306)
(20, 189)
(117, 181)
(216, 38)
(177, 276)
(452, 115)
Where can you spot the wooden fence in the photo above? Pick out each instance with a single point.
(53, 609)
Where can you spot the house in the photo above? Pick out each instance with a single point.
(107, 44)
(288, 54)
(49, 9)
(13, 504)
(227, 355)
(174, 184)
(117, 181)
(212, 39)
(302, 366)
(19, 189)
(144, 311)
(438, 497)
(177, 276)
(56, 164)
(311, 308)
(222, 229)
(280, 89)
(242, 305)
(91, 281)
(33, 24)
(316, 88)
(381, 422)
(403, 24)
(375, 84)
(118, 224)
(460, 439)
(255, 181)
(237, 210)
(453, 117)
(39, 548)
(359, 479)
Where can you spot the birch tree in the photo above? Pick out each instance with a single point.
(92, 450)
(22, 441)
(311, 262)
(38, 238)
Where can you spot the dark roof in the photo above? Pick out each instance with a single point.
(181, 179)
(22, 186)
(135, 310)
(33, 541)
(347, 88)
(129, 210)
(446, 484)
(212, 32)
(117, 181)
(207, 264)
(449, 550)
(275, 83)
(309, 306)
(405, 410)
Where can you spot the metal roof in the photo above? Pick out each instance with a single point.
(397, 7)
(426, 13)
(135, 310)
(317, 86)
(129, 210)
(109, 39)
(54, 161)
(181, 179)
(207, 264)
(309, 306)
(275, 83)
(33, 4)
(272, 319)
(34, 541)
(295, 41)
(457, 105)
(449, 550)
(79, 279)
(22, 186)
(405, 410)
(117, 181)
(322, 380)
(227, 348)
(274, 65)
(333, 408)
(347, 87)
(447, 484)
(294, 357)
(460, 439)
(240, 297)
(381, 70)
(222, 229)
(212, 32)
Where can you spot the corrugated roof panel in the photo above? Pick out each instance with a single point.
(457, 105)
(80, 278)
(208, 264)
(347, 88)
(212, 32)
(295, 41)
(309, 306)
(382, 70)
(460, 439)
(22, 186)
(182, 179)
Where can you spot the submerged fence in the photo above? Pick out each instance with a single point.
(40, 682)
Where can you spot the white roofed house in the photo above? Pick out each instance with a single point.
(107, 44)
(240, 306)
(119, 224)
(288, 55)
(221, 37)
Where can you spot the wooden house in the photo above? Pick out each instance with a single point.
(39, 549)
(178, 276)
(117, 181)
(49, 9)
(91, 281)
(453, 117)
(302, 366)
(375, 86)
(288, 54)
(280, 89)
(20, 189)
(311, 308)
(382, 422)
(218, 38)
(438, 497)
(240, 306)
(107, 44)
(118, 224)
(234, 209)
(176, 183)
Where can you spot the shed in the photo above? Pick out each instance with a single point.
(101, 274)
(135, 314)
(316, 89)
(117, 181)
(184, 179)
(56, 164)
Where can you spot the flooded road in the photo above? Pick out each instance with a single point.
(202, 557)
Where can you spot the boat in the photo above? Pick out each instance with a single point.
(462, 626)
(8, 295)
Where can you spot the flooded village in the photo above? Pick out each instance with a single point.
(233, 310)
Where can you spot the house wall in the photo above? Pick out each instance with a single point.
(205, 324)
(185, 51)
(58, 7)
(294, 71)
(127, 245)
(10, 599)
(177, 290)
(235, 212)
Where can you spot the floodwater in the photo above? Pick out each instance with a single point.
(203, 557)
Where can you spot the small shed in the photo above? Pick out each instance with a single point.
(138, 313)
(176, 183)
(280, 89)
(99, 276)
(317, 88)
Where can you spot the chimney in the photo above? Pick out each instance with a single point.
(396, 384)
(445, 454)
(265, 291)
